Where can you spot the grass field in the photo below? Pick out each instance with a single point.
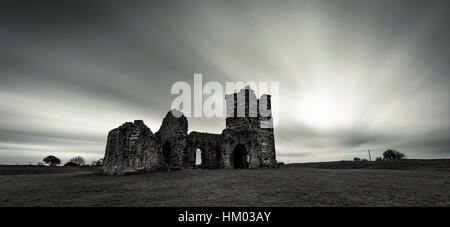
(401, 183)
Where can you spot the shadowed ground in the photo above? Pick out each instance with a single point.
(421, 184)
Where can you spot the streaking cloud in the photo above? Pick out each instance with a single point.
(354, 75)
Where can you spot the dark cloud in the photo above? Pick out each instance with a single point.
(44, 137)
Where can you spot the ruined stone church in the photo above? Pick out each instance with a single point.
(246, 142)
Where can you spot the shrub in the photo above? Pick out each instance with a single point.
(97, 163)
(71, 164)
(393, 155)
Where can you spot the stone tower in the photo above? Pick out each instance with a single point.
(248, 138)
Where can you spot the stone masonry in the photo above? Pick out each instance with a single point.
(246, 142)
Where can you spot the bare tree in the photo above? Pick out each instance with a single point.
(78, 161)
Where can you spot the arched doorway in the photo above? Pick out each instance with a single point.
(198, 157)
(166, 153)
(240, 157)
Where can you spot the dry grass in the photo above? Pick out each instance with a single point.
(288, 186)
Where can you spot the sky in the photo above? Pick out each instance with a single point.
(354, 75)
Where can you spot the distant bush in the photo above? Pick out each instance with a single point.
(78, 160)
(393, 155)
(97, 163)
(71, 164)
(379, 159)
(356, 159)
(279, 164)
(52, 160)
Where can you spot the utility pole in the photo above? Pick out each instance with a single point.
(370, 158)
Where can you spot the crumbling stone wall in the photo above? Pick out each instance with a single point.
(266, 138)
(266, 146)
(211, 147)
(172, 139)
(246, 142)
(131, 148)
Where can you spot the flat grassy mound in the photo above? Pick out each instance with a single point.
(407, 164)
(292, 185)
(33, 170)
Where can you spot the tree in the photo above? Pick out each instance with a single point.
(393, 155)
(97, 163)
(78, 160)
(52, 160)
(356, 159)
